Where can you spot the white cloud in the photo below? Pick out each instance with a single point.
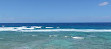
(103, 3)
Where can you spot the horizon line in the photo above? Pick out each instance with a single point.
(60, 22)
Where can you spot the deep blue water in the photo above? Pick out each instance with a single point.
(63, 25)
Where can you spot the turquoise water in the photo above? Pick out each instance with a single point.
(59, 39)
(42, 40)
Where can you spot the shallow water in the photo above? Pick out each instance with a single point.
(55, 40)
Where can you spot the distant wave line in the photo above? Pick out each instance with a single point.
(57, 30)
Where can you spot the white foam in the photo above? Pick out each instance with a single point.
(49, 27)
(78, 37)
(50, 30)
(37, 26)
(66, 36)
(76, 30)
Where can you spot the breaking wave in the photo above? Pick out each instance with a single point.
(76, 30)
(58, 30)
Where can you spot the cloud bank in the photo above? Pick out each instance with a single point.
(103, 3)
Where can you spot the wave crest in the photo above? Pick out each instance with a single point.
(57, 30)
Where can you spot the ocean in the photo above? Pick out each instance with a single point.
(64, 36)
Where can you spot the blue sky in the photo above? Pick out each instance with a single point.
(53, 11)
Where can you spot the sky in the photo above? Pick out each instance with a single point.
(54, 11)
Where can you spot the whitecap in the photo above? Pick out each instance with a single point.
(21, 29)
(49, 27)
(66, 36)
(78, 37)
